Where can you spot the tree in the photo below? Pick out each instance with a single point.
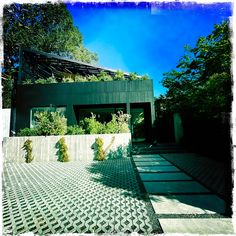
(44, 27)
(201, 83)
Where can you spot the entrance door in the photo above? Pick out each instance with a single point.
(138, 124)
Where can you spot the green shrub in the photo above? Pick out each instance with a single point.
(50, 123)
(27, 132)
(123, 122)
(134, 76)
(27, 147)
(75, 129)
(104, 76)
(112, 126)
(100, 155)
(145, 77)
(119, 75)
(63, 155)
(92, 126)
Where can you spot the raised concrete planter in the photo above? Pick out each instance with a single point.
(80, 147)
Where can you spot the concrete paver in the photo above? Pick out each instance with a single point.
(188, 204)
(197, 226)
(152, 163)
(157, 168)
(75, 197)
(164, 176)
(175, 187)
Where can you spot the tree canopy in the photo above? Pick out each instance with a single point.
(201, 82)
(44, 27)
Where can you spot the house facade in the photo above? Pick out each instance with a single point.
(78, 100)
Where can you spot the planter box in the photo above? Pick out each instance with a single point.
(80, 147)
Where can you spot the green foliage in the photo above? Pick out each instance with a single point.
(27, 132)
(75, 129)
(49, 80)
(134, 76)
(50, 123)
(7, 83)
(118, 124)
(27, 147)
(92, 126)
(104, 76)
(100, 155)
(201, 83)
(119, 75)
(63, 155)
(43, 27)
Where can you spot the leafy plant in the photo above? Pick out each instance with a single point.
(27, 132)
(119, 75)
(63, 155)
(100, 155)
(27, 147)
(104, 76)
(75, 129)
(92, 126)
(50, 123)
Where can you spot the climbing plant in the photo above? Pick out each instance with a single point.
(63, 155)
(100, 155)
(27, 147)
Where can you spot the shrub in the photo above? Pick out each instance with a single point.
(63, 155)
(134, 76)
(119, 75)
(100, 155)
(104, 76)
(28, 149)
(27, 132)
(92, 126)
(50, 123)
(112, 126)
(75, 129)
(123, 122)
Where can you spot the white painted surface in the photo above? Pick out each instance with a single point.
(79, 146)
(6, 116)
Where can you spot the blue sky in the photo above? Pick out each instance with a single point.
(145, 38)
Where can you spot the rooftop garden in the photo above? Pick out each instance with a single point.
(71, 78)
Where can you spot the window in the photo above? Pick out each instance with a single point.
(61, 110)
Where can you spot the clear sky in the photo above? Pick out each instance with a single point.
(145, 38)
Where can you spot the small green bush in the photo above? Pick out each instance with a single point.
(27, 132)
(50, 123)
(63, 155)
(92, 126)
(100, 155)
(27, 147)
(75, 129)
(119, 75)
(104, 76)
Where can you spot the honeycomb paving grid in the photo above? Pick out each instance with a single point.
(75, 197)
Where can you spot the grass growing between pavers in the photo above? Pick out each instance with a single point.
(75, 197)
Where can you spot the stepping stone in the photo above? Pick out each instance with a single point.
(152, 163)
(149, 159)
(198, 226)
(146, 156)
(174, 187)
(188, 204)
(164, 176)
(157, 169)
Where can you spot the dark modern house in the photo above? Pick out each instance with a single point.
(77, 100)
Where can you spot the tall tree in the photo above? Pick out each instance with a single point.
(201, 82)
(44, 27)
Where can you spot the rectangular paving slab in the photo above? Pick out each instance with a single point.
(157, 169)
(141, 159)
(188, 204)
(174, 187)
(164, 176)
(152, 163)
(197, 226)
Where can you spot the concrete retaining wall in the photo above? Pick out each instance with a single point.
(80, 147)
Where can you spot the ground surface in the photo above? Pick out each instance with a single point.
(53, 197)
(148, 193)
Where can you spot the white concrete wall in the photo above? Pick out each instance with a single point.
(6, 116)
(79, 146)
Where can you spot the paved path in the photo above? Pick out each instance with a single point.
(75, 197)
(181, 203)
